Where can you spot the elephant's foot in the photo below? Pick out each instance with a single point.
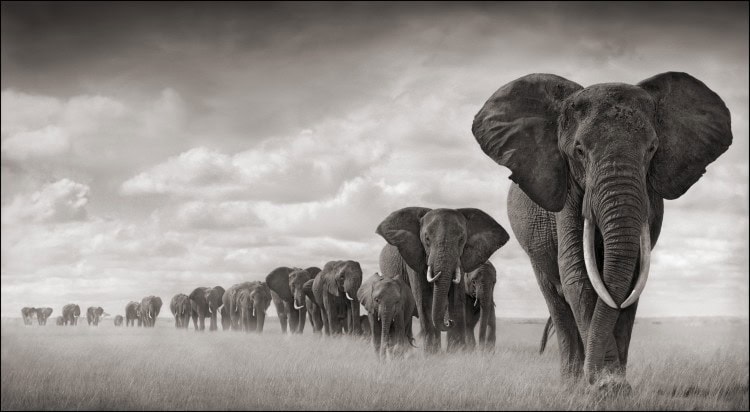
(610, 385)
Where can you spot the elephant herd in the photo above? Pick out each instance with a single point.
(591, 168)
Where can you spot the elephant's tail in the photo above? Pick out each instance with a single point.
(548, 332)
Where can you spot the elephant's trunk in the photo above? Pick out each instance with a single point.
(214, 318)
(440, 318)
(484, 293)
(386, 318)
(621, 209)
(261, 319)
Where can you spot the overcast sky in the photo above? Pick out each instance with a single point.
(150, 149)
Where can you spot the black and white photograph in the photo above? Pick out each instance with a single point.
(374, 206)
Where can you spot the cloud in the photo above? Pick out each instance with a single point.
(61, 201)
(50, 141)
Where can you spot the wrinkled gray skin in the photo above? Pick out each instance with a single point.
(133, 314)
(27, 314)
(231, 302)
(42, 314)
(286, 285)
(608, 154)
(314, 313)
(94, 314)
(252, 303)
(59, 321)
(206, 302)
(118, 320)
(71, 312)
(390, 305)
(549, 330)
(336, 285)
(364, 324)
(450, 242)
(480, 306)
(181, 308)
(150, 307)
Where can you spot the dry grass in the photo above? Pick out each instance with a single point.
(672, 366)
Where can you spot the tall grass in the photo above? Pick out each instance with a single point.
(672, 366)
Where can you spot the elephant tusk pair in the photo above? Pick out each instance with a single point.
(456, 277)
(431, 279)
(347, 296)
(593, 271)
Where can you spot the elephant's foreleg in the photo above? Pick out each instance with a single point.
(302, 313)
(332, 313)
(472, 318)
(430, 336)
(376, 328)
(623, 332)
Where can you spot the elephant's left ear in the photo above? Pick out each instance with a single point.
(307, 289)
(484, 237)
(694, 128)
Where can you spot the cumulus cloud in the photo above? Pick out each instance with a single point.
(61, 201)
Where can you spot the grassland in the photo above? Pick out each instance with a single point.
(673, 365)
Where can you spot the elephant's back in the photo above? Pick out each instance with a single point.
(392, 265)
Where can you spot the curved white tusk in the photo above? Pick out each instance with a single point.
(253, 311)
(379, 274)
(475, 301)
(457, 277)
(431, 279)
(298, 307)
(645, 264)
(347, 296)
(589, 257)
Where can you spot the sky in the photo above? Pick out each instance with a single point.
(154, 148)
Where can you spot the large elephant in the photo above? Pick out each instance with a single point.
(118, 320)
(591, 168)
(480, 305)
(430, 249)
(549, 331)
(336, 286)
(93, 314)
(60, 321)
(286, 285)
(251, 304)
(133, 314)
(42, 314)
(390, 306)
(27, 314)
(206, 302)
(150, 307)
(181, 309)
(71, 312)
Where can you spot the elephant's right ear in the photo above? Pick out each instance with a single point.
(401, 229)
(278, 281)
(313, 271)
(517, 128)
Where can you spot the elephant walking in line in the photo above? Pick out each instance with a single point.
(430, 249)
(390, 306)
(150, 307)
(93, 314)
(59, 321)
(288, 295)
(251, 305)
(591, 169)
(181, 308)
(206, 302)
(549, 330)
(27, 314)
(133, 314)
(480, 306)
(42, 314)
(118, 320)
(231, 302)
(71, 312)
(337, 284)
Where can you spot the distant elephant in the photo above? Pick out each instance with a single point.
(42, 314)
(230, 301)
(133, 314)
(334, 288)
(549, 330)
(286, 285)
(27, 314)
(150, 307)
(118, 320)
(206, 302)
(93, 314)
(430, 249)
(59, 321)
(71, 312)
(591, 168)
(251, 304)
(181, 308)
(480, 305)
(390, 306)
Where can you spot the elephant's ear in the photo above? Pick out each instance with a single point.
(331, 271)
(483, 237)
(517, 128)
(401, 229)
(694, 128)
(313, 271)
(219, 291)
(278, 281)
(307, 289)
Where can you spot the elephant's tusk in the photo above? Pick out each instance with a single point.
(253, 311)
(457, 277)
(347, 296)
(431, 279)
(593, 272)
(298, 307)
(645, 264)
(476, 299)
(379, 274)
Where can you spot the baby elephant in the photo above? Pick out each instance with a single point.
(390, 306)
(118, 320)
(480, 306)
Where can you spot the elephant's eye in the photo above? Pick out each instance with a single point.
(652, 148)
(578, 150)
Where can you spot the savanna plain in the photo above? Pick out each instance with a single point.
(675, 364)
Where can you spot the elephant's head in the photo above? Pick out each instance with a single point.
(76, 310)
(610, 150)
(342, 278)
(480, 283)
(138, 310)
(442, 244)
(260, 297)
(297, 279)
